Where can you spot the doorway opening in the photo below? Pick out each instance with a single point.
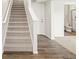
(69, 20)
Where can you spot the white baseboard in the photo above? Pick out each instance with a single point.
(35, 52)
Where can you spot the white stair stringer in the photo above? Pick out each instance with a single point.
(18, 36)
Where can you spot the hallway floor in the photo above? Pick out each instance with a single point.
(46, 51)
(70, 33)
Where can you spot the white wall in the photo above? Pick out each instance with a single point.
(57, 16)
(5, 16)
(66, 15)
(57, 21)
(43, 12)
(68, 19)
(4, 7)
(39, 9)
(48, 18)
(57, 24)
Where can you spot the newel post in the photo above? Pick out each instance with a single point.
(35, 39)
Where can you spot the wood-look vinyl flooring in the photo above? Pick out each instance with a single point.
(70, 33)
(47, 50)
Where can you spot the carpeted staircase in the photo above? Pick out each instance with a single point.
(18, 35)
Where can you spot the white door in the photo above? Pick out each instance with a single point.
(74, 20)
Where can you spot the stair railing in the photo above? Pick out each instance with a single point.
(33, 24)
(5, 21)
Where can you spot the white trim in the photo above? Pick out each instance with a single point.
(31, 16)
(35, 52)
(52, 36)
(59, 36)
(29, 20)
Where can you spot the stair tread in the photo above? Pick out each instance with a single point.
(19, 6)
(16, 37)
(18, 15)
(12, 21)
(22, 20)
(17, 10)
(18, 27)
(18, 32)
(18, 49)
(18, 21)
(18, 45)
(18, 41)
(21, 38)
(18, 18)
(17, 24)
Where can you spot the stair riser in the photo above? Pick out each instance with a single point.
(17, 6)
(17, 10)
(18, 34)
(18, 24)
(18, 40)
(18, 16)
(17, 20)
(18, 37)
(18, 29)
(18, 13)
